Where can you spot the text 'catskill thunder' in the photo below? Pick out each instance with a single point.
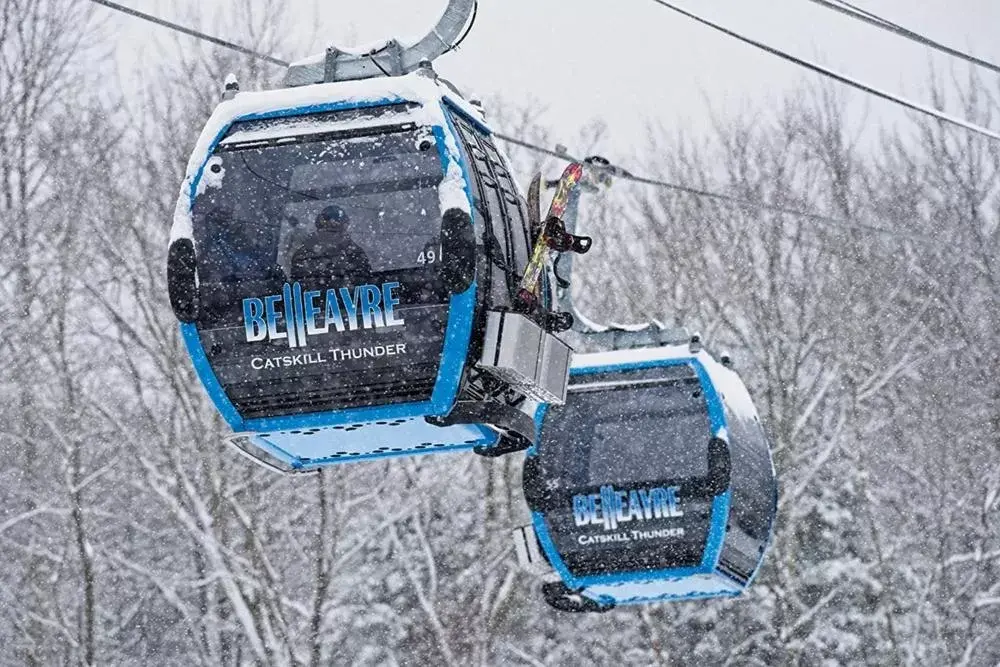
(294, 315)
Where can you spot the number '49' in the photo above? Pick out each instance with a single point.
(429, 257)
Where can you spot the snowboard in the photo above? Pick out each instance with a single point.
(552, 236)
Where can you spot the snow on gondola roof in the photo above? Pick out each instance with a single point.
(416, 87)
(726, 381)
(637, 355)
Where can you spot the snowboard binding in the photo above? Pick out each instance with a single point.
(559, 596)
(559, 322)
(558, 239)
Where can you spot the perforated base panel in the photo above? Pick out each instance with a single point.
(693, 587)
(310, 448)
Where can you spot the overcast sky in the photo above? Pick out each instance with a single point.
(631, 61)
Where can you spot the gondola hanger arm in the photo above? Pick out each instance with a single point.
(389, 57)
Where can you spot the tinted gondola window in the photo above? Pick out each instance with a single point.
(320, 209)
(754, 485)
(630, 436)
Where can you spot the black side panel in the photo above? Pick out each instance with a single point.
(637, 544)
(754, 497)
(182, 277)
(625, 473)
(754, 486)
(335, 371)
(503, 210)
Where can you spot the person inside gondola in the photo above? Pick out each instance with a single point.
(329, 253)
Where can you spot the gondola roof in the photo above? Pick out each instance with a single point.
(725, 381)
(422, 88)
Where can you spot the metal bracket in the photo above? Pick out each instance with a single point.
(500, 415)
(392, 58)
(588, 334)
(531, 360)
(243, 444)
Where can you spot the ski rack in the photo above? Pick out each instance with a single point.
(387, 58)
(241, 443)
(528, 358)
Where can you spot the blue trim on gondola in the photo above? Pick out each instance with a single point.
(716, 409)
(463, 307)
(457, 334)
(202, 367)
(635, 365)
(540, 412)
(717, 531)
(549, 547)
(318, 463)
(715, 538)
(456, 108)
(487, 437)
(277, 452)
(338, 417)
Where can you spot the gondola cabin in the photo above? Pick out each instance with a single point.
(343, 260)
(653, 482)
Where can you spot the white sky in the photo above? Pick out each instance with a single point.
(631, 62)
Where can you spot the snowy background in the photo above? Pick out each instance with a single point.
(128, 535)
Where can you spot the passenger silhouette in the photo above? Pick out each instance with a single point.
(329, 253)
(237, 253)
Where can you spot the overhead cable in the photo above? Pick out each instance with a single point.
(855, 12)
(188, 31)
(859, 10)
(615, 171)
(854, 83)
(624, 174)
